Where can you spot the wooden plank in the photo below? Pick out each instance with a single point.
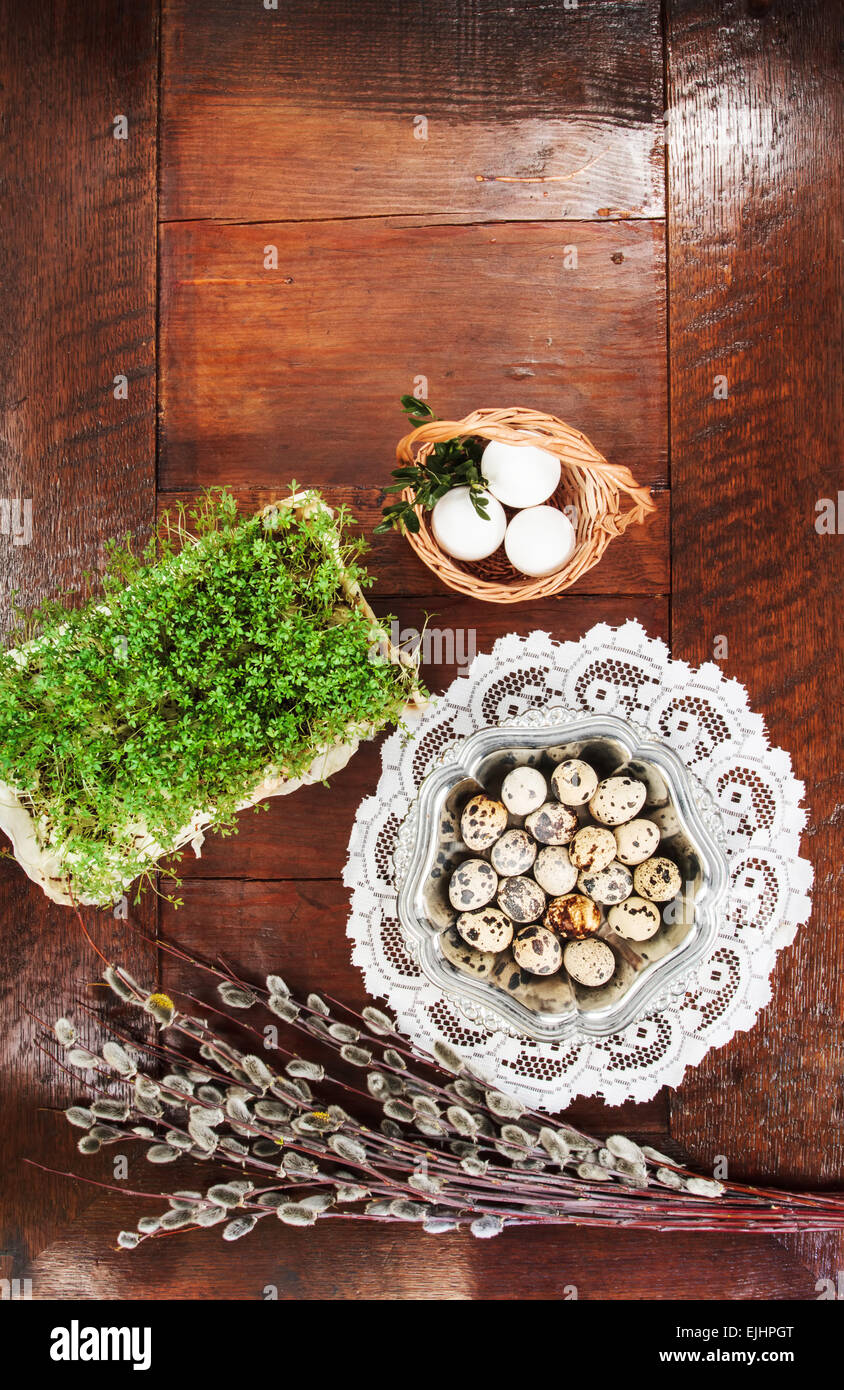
(638, 564)
(301, 925)
(344, 1260)
(352, 1262)
(298, 927)
(49, 968)
(755, 280)
(295, 371)
(288, 838)
(77, 304)
(478, 111)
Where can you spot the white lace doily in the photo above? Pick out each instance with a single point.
(706, 720)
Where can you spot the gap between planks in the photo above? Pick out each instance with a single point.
(407, 219)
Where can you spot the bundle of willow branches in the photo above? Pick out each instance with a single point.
(424, 1140)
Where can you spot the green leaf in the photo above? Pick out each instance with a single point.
(417, 411)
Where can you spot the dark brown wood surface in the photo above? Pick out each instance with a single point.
(388, 1264)
(279, 841)
(77, 308)
(444, 257)
(538, 111)
(638, 566)
(357, 310)
(755, 282)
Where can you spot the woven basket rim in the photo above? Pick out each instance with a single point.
(591, 484)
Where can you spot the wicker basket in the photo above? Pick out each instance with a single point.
(588, 483)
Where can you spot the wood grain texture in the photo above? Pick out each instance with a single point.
(77, 307)
(48, 968)
(477, 111)
(755, 292)
(349, 1262)
(412, 265)
(298, 926)
(78, 276)
(287, 838)
(294, 371)
(637, 564)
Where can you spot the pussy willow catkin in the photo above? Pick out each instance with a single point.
(416, 1138)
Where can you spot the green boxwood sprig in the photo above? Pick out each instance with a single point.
(452, 463)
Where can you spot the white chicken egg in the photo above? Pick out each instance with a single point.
(461, 532)
(539, 540)
(520, 475)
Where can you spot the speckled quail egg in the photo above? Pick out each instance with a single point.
(617, 799)
(658, 879)
(573, 915)
(482, 821)
(473, 884)
(521, 898)
(666, 820)
(514, 853)
(590, 962)
(574, 782)
(523, 790)
(636, 841)
(593, 847)
(635, 920)
(539, 993)
(554, 871)
(538, 951)
(486, 930)
(552, 824)
(610, 885)
(470, 961)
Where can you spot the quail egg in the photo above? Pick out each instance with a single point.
(574, 782)
(610, 885)
(486, 930)
(467, 959)
(590, 962)
(540, 993)
(617, 799)
(552, 824)
(538, 951)
(593, 847)
(554, 871)
(523, 790)
(635, 920)
(666, 820)
(514, 853)
(482, 821)
(636, 841)
(521, 898)
(573, 915)
(658, 879)
(473, 884)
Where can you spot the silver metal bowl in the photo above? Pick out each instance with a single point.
(648, 974)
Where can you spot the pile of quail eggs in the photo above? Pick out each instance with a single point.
(583, 857)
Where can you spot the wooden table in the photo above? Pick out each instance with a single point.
(625, 213)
